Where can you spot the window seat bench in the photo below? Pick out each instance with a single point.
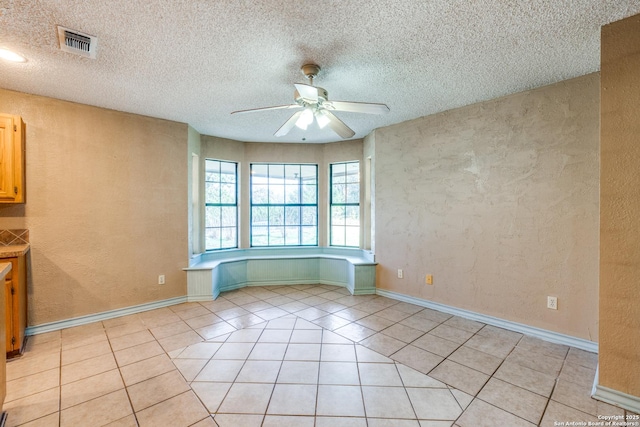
(213, 272)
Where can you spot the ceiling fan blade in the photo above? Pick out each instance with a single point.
(278, 107)
(289, 124)
(338, 126)
(307, 92)
(356, 107)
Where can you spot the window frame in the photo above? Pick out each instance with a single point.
(284, 205)
(344, 204)
(221, 205)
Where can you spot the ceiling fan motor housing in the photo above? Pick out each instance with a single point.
(323, 96)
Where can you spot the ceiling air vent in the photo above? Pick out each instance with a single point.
(73, 41)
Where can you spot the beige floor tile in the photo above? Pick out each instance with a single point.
(87, 368)
(145, 369)
(234, 350)
(245, 335)
(268, 351)
(215, 330)
(193, 311)
(220, 370)
(170, 329)
(245, 321)
(259, 371)
(126, 329)
(287, 322)
(52, 420)
(434, 403)
(464, 399)
(236, 420)
(190, 368)
(464, 324)
(481, 414)
(256, 306)
(558, 413)
(412, 378)
(515, 400)
(179, 341)
(244, 398)
(306, 336)
(387, 402)
(379, 374)
(436, 345)
(403, 332)
(156, 389)
(338, 353)
(383, 344)
(288, 421)
(181, 411)
(308, 352)
(329, 337)
(42, 347)
(128, 421)
(493, 345)
(217, 305)
(79, 340)
(340, 422)
(354, 332)
(294, 372)
(393, 314)
(89, 388)
(343, 373)
(32, 407)
(138, 352)
(375, 323)
(310, 313)
(211, 394)
(450, 333)
(97, 412)
(293, 399)
(331, 322)
(577, 374)
(294, 307)
(201, 350)
(338, 400)
(204, 320)
(537, 361)
(459, 376)
(386, 422)
(32, 384)
(501, 334)
(331, 306)
(77, 354)
(583, 358)
(419, 323)
(275, 336)
(351, 314)
(366, 355)
(130, 340)
(434, 315)
(271, 313)
(417, 358)
(526, 378)
(475, 359)
(577, 396)
(547, 348)
(88, 329)
(30, 364)
(232, 313)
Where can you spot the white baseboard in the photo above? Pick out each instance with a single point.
(543, 334)
(83, 320)
(617, 398)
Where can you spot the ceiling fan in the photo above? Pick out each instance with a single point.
(313, 104)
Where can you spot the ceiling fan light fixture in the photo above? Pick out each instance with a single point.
(322, 119)
(305, 119)
(12, 56)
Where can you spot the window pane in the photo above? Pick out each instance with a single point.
(338, 173)
(338, 193)
(221, 205)
(352, 215)
(337, 235)
(290, 195)
(276, 215)
(228, 193)
(293, 215)
(337, 215)
(353, 172)
(353, 193)
(292, 236)
(352, 236)
(259, 194)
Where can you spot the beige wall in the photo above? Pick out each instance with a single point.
(499, 201)
(620, 207)
(107, 207)
(254, 152)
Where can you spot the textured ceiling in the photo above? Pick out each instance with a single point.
(196, 61)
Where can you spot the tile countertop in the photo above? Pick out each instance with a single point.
(13, 250)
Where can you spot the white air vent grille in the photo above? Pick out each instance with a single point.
(73, 41)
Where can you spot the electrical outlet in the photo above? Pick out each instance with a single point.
(429, 279)
(400, 273)
(552, 303)
(161, 279)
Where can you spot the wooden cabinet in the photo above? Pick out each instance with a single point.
(15, 297)
(12, 159)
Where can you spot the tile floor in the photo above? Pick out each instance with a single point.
(298, 356)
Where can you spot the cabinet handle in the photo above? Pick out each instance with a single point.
(15, 190)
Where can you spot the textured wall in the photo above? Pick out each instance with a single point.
(620, 207)
(499, 201)
(106, 207)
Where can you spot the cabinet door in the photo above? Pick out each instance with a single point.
(7, 159)
(8, 313)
